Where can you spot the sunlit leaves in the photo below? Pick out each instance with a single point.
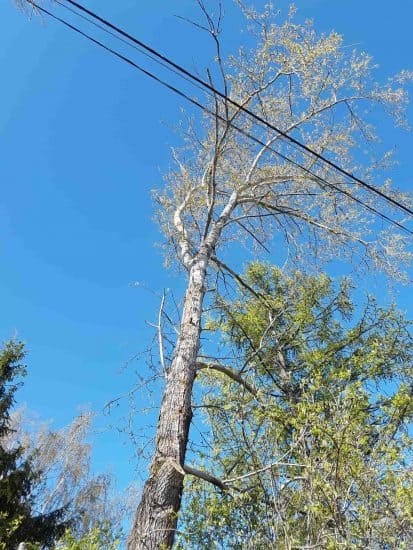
(335, 405)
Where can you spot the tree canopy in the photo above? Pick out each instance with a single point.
(310, 437)
(63, 456)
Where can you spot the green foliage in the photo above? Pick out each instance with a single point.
(11, 368)
(323, 438)
(49, 470)
(7, 528)
(100, 537)
(19, 521)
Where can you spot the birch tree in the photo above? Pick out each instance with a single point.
(224, 187)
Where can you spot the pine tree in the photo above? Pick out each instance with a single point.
(19, 521)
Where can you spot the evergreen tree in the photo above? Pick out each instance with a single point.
(19, 521)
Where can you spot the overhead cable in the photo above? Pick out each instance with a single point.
(258, 118)
(208, 111)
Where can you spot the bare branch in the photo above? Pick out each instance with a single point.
(230, 373)
(237, 277)
(160, 334)
(206, 477)
(275, 464)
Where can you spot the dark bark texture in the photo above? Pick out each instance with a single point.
(156, 517)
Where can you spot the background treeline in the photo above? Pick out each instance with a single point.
(48, 494)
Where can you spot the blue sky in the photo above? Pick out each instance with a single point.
(83, 139)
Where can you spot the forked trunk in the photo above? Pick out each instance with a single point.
(156, 517)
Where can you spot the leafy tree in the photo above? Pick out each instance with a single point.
(100, 537)
(19, 479)
(310, 422)
(64, 458)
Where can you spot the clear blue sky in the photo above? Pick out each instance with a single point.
(83, 138)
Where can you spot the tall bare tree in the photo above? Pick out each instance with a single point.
(224, 188)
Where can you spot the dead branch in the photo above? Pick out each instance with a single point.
(230, 373)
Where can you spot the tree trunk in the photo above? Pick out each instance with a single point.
(156, 517)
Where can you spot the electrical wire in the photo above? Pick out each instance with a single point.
(208, 111)
(132, 45)
(258, 118)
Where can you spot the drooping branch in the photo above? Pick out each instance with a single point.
(285, 210)
(224, 485)
(205, 476)
(231, 373)
(237, 277)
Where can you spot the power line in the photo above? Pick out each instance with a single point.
(134, 46)
(212, 89)
(205, 109)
